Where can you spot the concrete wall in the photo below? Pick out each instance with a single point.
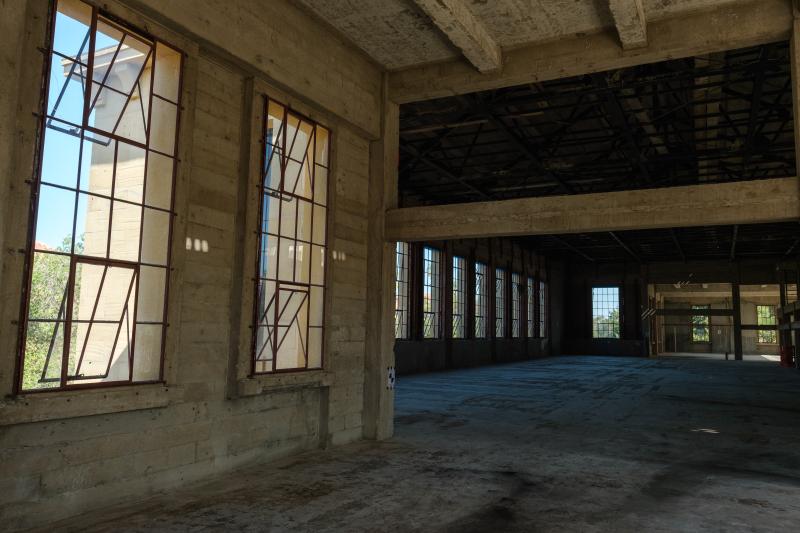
(577, 338)
(70, 452)
(425, 355)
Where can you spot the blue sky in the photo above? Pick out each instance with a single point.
(61, 150)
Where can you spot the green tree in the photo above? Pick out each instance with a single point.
(47, 305)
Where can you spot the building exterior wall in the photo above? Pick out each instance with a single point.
(66, 453)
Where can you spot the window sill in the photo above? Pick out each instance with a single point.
(281, 382)
(41, 406)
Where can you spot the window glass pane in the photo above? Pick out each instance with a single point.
(146, 364)
(164, 122)
(125, 226)
(92, 225)
(159, 181)
(605, 312)
(150, 307)
(44, 350)
(155, 232)
(60, 156)
(55, 218)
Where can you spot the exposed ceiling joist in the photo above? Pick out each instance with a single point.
(456, 21)
(630, 21)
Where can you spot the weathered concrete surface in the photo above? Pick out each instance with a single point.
(562, 444)
(729, 26)
(399, 36)
(744, 202)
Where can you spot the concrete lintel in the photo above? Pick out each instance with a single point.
(456, 21)
(629, 18)
(748, 202)
(731, 26)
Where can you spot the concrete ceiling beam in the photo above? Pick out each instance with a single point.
(465, 31)
(719, 204)
(731, 26)
(630, 21)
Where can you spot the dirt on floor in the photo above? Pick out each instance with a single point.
(560, 444)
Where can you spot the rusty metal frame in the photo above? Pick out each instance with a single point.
(44, 122)
(283, 148)
(460, 288)
(481, 312)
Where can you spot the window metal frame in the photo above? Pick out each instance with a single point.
(772, 331)
(700, 321)
(45, 121)
(500, 298)
(543, 304)
(481, 313)
(619, 310)
(294, 285)
(402, 284)
(516, 305)
(459, 315)
(435, 287)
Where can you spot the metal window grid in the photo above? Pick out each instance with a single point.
(500, 303)
(701, 329)
(401, 291)
(531, 304)
(542, 309)
(459, 297)
(481, 281)
(291, 263)
(87, 84)
(431, 293)
(605, 312)
(766, 316)
(516, 310)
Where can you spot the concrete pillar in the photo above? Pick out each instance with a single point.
(378, 396)
(737, 323)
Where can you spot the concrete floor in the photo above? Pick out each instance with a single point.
(562, 444)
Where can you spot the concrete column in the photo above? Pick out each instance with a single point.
(737, 323)
(378, 397)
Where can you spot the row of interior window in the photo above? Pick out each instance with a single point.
(528, 299)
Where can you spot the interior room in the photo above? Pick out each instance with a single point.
(399, 265)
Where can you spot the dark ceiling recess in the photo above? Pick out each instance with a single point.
(714, 118)
(723, 243)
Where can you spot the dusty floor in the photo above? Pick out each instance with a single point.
(563, 444)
